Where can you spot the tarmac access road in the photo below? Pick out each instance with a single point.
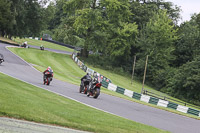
(16, 67)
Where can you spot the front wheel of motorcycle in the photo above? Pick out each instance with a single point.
(48, 81)
(80, 89)
(96, 93)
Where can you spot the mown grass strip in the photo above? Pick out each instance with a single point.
(24, 101)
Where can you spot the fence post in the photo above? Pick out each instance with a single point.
(133, 69)
(144, 74)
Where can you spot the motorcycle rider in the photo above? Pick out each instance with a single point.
(41, 47)
(25, 44)
(50, 73)
(94, 81)
(1, 58)
(84, 78)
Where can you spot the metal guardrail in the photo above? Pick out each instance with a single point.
(146, 92)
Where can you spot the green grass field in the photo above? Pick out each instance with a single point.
(44, 43)
(24, 101)
(65, 69)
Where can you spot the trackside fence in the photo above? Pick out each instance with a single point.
(150, 98)
(149, 93)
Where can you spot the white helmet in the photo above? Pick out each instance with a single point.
(49, 67)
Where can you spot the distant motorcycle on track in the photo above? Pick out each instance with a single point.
(24, 45)
(1, 58)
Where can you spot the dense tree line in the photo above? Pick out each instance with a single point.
(22, 18)
(116, 31)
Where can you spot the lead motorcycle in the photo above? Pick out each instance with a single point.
(48, 77)
(84, 86)
(1, 58)
(94, 88)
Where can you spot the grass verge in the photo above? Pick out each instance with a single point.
(24, 101)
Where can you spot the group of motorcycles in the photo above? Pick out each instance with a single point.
(91, 87)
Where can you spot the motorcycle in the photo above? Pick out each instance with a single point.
(41, 47)
(95, 88)
(1, 58)
(84, 86)
(24, 45)
(48, 77)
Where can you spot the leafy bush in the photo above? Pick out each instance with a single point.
(185, 82)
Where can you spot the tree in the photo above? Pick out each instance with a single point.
(122, 33)
(156, 40)
(144, 10)
(187, 46)
(184, 84)
(6, 17)
(88, 21)
(104, 25)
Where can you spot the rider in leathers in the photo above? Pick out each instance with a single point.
(48, 70)
(84, 78)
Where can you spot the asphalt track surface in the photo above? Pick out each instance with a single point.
(16, 67)
(52, 50)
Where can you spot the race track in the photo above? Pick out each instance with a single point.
(16, 67)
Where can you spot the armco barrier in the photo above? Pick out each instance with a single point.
(104, 84)
(128, 93)
(153, 100)
(136, 96)
(163, 103)
(193, 112)
(59, 43)
(183, 109)
(76, 59)
(172, 105)
(90, 71)
(145, 98)
(84, 68)
(120, 90)
(112, 87)
(73, 56)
